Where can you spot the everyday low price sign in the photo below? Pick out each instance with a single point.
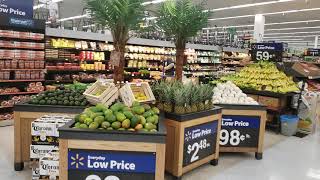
(17, 8)
(199, 142)
(267, 52)
(110, 165)
(239, 131)
(312, 52)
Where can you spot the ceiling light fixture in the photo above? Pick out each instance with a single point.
(279, 39)
(266, 14)
(291, 33)
(285, 29)
(249, 5)
(73, 17)
(275, 37)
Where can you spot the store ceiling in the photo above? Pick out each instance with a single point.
(71, 8)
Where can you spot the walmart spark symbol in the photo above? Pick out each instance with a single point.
(77, 161)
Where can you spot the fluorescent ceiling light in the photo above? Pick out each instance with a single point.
(285, 29)
(73, 17)
(279, 39)
(249, 5)
(266, 14)
(153, 2)
(87, 26)
(291, 33)
(289, 37)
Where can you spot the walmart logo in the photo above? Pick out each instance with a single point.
(77, 161)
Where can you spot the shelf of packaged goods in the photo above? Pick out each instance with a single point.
(234, 58)
(18, 93)
(70, 81)
(76, 49)
(200, 70)
(160, 61)
(22, 80)
(142, 68)
(78, 70)
(23, 69)
(207, 63)
(22, 48)
(150, 53)
(6, 107)
(22, 39)
(72, 60)
(22, 59)
(4, 123)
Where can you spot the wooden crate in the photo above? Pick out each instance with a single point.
(272, 102)
(24, 115)
(180, 130)
(145, 150)
(243, 129)
(128, 91)
(107, 97)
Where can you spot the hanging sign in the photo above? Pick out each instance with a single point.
(267, 52)
(240, 131)
(312, 52)
(17, 8)
(111, 165)
(199, 142)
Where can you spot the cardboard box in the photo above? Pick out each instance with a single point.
(49, 166)
(35, 174)
(38, 151)
(307, 69)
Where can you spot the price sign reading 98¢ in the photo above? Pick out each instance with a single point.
(199, 142)
(239, 131)
(267, 52)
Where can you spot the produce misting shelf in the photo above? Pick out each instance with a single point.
(24, 114)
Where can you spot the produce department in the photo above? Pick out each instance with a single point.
(158, 90)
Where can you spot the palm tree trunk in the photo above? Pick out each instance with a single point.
(179, 63)
(118, 74)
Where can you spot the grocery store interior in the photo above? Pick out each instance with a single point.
(159, 89)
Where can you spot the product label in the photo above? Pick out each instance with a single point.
(199, 142)
(38, 151)
(96, 165)
(240, 131)
(17, 8)
(267, 52)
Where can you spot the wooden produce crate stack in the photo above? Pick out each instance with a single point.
(140, 92)
(102, 92)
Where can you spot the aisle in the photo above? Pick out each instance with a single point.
(285, 158)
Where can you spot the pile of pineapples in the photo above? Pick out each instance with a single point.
(176, 97)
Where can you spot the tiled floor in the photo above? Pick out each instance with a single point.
(284, 159)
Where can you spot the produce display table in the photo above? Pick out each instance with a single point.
(101, 154)
(24, 114)
(243, 128)
(192, 140)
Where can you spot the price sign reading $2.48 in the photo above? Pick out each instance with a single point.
(199, 142)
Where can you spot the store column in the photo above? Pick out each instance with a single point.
(316, 41)
(259, 22)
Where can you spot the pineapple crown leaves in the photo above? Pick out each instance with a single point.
(178, 96)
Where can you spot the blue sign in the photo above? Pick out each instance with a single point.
(111, 161)
(240, 131)
(199, 142)
(17, 8)
(21, 22)
(267, 51)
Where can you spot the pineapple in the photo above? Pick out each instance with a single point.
(194, 98)
(187, 95)
(208, 97)
(167, 95)
(179, 101)
(200, 104)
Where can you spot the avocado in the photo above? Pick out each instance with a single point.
(108, 112)
(150, 119)
(71, 103)
(147, 114)
(156, 119)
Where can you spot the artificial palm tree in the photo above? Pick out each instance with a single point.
(119, 16)
(181, 19)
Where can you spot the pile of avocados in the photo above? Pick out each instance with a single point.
(140, 117)
(64, 97)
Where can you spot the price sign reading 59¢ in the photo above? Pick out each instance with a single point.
(267, 52)
(199, 142)
(239, 131)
